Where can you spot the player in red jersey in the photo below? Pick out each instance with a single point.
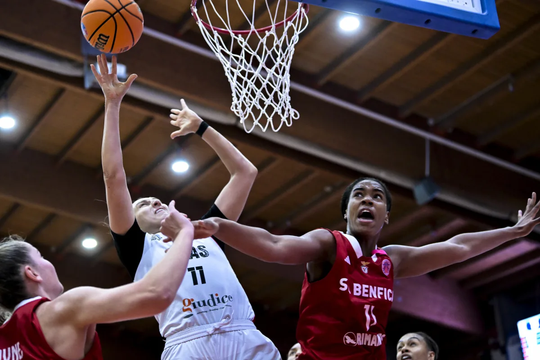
(348, 285)
(48, 325)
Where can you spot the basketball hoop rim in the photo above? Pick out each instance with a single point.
(193, 9)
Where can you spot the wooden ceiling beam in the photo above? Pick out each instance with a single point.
(472, 65)
(310, 207)
(175, 146)
(505, 126)
(186, 21)
(7, 83)
(510, 267)
(41, 226)
(418, 55)
(282, 192)
(41, 119)
(191, 182)
(528, 149)
(444, 232)
(12, 210)
(400, 225)
(61, 249)
(508, 82)
(355, 50)
(314, 23)
(76, 140)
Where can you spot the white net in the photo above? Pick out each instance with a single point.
(257, 63)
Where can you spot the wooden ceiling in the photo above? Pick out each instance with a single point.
(480, 94)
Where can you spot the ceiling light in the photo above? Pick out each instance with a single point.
(349, 23)
(7, 122)
(89, 243)
(180, 166)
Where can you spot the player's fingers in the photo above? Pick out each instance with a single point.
(177, 133)
(171, 205)
(520, 214)
(93, 68)
(184, 106)
(131, 79)
(113, 70)
(176, 111)
(103, 65)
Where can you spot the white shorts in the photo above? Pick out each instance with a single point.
(248, 344)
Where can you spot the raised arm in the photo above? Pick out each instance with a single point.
(121, 216)
(151, 295)
(316, 245)
(413, 261)
(233, 197)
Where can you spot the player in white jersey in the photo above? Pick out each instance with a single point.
(211, 317)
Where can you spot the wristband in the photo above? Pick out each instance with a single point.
(202, 128)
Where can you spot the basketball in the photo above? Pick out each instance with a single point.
(112, 26)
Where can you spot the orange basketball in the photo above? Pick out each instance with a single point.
(112, 26)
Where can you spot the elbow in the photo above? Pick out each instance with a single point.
(247, 171)
(250, 171)
(112, 176)
(160, 299)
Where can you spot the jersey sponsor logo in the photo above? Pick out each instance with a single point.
(213, 303)
(366, 291)
(12, 353)
(364, 266)
(386, 265)
(363, 339)
(155, 237)
(199, 252)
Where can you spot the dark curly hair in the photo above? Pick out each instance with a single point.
(431, 344)
(347, 194)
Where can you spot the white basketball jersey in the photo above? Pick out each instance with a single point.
(210, 291)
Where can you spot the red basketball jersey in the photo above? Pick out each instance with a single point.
(344, 315)
(21, 337)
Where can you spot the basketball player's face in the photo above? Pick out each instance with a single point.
(149, 212)
(46, 271)
(413, 347)
(367, 213)
(295, 352)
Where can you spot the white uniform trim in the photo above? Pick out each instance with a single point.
(355, 244)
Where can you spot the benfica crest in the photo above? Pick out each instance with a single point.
(364, 266)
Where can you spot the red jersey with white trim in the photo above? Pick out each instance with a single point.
(21, 337)
(344, 315)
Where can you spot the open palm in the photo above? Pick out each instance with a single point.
(108, 80)
(186, 119)
(528, 220)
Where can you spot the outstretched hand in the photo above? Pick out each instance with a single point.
(186, 119)
(174, 223)
(205, 228)
(526, 220)
(108, 80)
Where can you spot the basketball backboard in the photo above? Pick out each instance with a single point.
(476, 18)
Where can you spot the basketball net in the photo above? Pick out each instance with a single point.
(256, 61)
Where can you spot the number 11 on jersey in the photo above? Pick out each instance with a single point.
(193, 271)
(370, 316)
